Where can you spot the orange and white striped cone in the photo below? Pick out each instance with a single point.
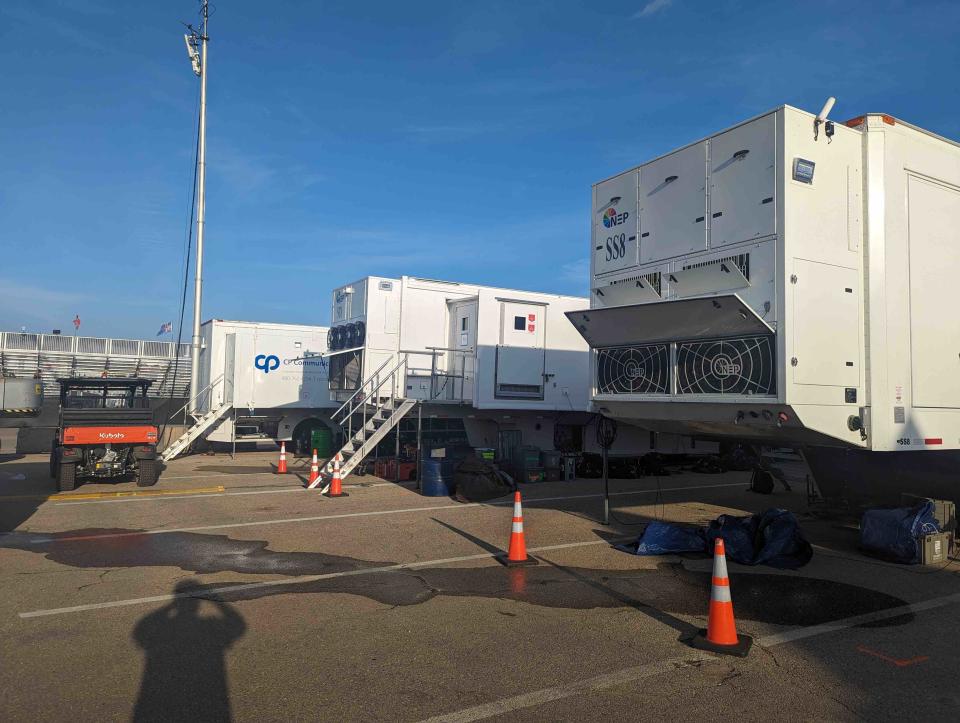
(721, 633)
(336, 484)
(282, 464)
(517, 552)
(314, 478)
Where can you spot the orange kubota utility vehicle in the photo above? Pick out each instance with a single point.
(106, 430)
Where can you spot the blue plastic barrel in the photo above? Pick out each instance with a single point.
(437, 478)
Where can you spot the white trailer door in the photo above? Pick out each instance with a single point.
(229, 366)
(934, 214)
(461, 362)
(826, 328)
(520, 354)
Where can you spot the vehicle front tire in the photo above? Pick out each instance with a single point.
(66, 477)
(148, 473)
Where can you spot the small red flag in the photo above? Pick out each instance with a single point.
(76, 321)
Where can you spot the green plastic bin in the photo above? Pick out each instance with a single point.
(321, 439)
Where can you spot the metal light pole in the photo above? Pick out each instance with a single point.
(200, 68)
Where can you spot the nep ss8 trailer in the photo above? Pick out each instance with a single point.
(791, 281)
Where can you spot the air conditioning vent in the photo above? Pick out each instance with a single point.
(651, 280)
(727, 366)
(741, 261)
(519, 391)
(654, 280)
(634, 370)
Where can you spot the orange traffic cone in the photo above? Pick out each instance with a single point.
(517, 553)
(721, 633)
(314, 478)
(336, 484)
(282, 464)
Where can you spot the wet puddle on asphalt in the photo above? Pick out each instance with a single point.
(670, 588)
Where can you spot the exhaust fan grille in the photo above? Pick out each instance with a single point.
(727, 366)
(634, 370)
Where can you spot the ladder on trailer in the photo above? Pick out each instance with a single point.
(369, 415)
(202, 423)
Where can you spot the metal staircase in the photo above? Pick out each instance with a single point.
(375, 409)
(201, 424)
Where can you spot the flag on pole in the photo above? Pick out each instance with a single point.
(166, 328)
(76, 322)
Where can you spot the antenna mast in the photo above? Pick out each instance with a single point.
(199, 60)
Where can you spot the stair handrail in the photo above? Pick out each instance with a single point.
(366, 381)
(390, 376)
(436, 374)
(196, 396)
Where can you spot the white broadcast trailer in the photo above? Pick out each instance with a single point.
(504, 361)
(263, 382)
(794, 281)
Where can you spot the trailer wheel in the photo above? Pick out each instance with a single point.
(66, 476)
(148, 473)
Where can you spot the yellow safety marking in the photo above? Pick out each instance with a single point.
(111, 495)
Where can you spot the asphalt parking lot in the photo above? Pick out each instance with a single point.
(227, 591)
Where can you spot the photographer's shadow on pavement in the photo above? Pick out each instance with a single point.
(185, 676)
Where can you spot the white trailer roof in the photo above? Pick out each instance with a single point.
(267, 325)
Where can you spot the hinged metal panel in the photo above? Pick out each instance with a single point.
(628, 291)
(688, 319)
(742, 183)
(720, 276)
(673, 204)
(615, 223)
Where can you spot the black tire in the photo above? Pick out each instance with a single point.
(54, 461)
(148, 473)
(66, 477)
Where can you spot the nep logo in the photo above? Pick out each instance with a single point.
(266, 362)
(723, 366)
(610, 216)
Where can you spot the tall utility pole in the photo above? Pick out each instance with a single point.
(200, 68)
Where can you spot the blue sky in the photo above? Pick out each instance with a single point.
(452, 140)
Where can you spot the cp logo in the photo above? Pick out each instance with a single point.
(266, 363)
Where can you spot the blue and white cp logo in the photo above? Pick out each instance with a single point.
(266, 363)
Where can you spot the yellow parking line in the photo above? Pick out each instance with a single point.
(112, 495)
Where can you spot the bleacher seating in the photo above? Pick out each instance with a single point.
(56, 355)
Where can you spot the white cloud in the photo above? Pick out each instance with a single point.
(36, 307)
(654, 6)
(451, 133)
(52, 25)
(575, 277)
(577, 272)
(245, 173)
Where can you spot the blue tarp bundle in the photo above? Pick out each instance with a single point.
(662, 538)
(894, 533)
(770, 538)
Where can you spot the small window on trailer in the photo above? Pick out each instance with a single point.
(519, 323)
